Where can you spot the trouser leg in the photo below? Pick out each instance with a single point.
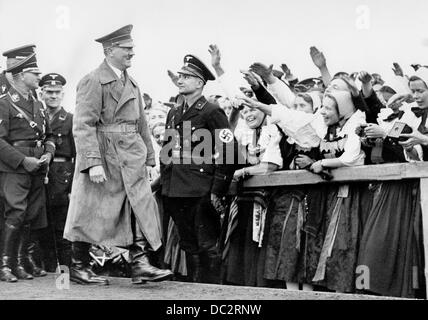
(14, 191)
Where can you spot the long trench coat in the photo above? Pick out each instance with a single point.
(101, 213)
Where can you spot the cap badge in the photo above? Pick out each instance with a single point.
(53, 76)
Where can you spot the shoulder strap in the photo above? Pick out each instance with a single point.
(32, 124)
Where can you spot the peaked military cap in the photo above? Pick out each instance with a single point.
(52, 79)
(120, 37)
(20, 53)
(196, 68)
(28, 64)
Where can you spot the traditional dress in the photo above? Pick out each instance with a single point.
(391, 244)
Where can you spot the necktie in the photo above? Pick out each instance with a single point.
(123, 77)
(185, 108)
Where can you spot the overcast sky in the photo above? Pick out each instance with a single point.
(354, 35)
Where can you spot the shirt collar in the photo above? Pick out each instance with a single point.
(115, 70)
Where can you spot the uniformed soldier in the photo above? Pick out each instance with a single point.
(26, 148)
(60, 171)
(12, 56)
(194, 183)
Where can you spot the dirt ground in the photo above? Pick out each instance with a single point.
(121, 289)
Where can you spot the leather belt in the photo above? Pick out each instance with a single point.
(28, 143)
(119, 128)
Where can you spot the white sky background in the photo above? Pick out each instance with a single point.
(353, 34)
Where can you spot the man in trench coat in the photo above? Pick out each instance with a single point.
(111, 200)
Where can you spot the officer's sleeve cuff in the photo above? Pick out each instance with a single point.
(88, 163)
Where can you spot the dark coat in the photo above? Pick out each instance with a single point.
(14, 127)
(189, 175)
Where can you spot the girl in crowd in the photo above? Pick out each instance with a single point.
(390, 250)
(288, 209)
(246, 235)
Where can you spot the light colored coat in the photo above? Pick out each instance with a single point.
(101, 213)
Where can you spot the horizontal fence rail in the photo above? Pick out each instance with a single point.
(382, 172)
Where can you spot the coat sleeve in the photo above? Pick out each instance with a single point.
(86, 117)
(8, 154)
(227, 146)
(145, 134)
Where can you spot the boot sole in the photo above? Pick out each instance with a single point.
(142, 280)
(9, 280)
(89, 283)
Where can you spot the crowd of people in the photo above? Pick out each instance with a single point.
(211, 228)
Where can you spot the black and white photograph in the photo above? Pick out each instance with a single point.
(208, 158)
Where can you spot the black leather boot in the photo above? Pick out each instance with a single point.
(22, 257)
(33, 257)
(8, 237)
(141, 269)
(80, 270)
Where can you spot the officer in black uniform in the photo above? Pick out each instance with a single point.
(194, 181)
(60, 171)
(26, 149)
(12, 56)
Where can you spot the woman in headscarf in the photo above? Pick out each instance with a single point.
(246, 234)
(391, 244)
(287, 210)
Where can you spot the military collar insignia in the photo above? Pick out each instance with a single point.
(1, 121)
(15, 97)
(42, 111)
(3, 88)
(62, 116)
(201, 103)
(20, 116)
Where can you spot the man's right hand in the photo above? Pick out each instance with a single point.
(31, 164)
(97, 174)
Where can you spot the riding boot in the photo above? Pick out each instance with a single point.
(8, 238)
(80, 270)
(22, 257)
(141, 269)
(34, 256)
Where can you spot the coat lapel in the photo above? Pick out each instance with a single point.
(107, 75)
(21, 102)
(195, 109)
(128, 93)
